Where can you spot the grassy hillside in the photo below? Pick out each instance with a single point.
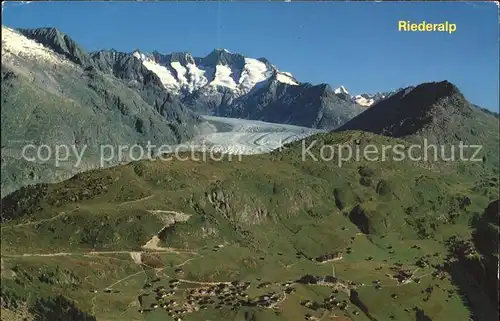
(107, 240)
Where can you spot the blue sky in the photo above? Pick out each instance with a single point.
(341, 43)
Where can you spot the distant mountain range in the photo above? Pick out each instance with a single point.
(184, 74)
(365, 100)
(222, 83)
(231, 85)
(222, 70)
(55, 92)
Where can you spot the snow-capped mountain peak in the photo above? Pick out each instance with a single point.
(183, 74)
(365, 100)
(139, 55)
(341, 90)
(15, 44)
(286, 78)
(368, 100)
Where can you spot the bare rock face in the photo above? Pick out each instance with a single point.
(369, 219)
(486, 240)
(307, 105)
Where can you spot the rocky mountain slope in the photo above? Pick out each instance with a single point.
(436, 110)
(54, 93)
(474, 264)
(438, 113)
(304, 105)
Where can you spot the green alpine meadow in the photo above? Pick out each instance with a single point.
(265, 198)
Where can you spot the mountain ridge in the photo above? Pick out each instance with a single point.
(212, 84)
(60, 40)
(423, 104)
(436, 115)
(277, 236)
(50, 99)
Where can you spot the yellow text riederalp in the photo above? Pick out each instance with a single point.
(424, 26)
